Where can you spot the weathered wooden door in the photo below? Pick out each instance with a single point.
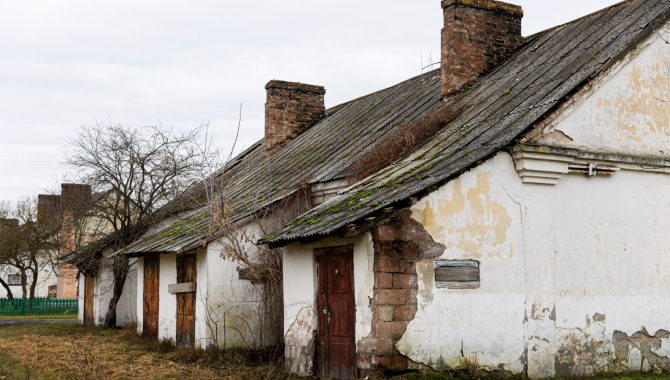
(151, 282)
(335, 310)
(88, 301)
(186, 302)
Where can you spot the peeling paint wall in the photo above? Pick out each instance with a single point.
(574, 277)
(624, 111)
(300, 296)
(478, 217)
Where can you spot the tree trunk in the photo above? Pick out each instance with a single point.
(33, 285)
(120, 271)
(10, 295)
(24, 282)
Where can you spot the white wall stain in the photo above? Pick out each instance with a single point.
(625, 113)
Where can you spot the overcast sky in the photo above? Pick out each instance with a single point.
(68, 63)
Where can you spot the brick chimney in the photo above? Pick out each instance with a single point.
(477, 36)
(48, 207)
(291, 108)
(73, 202)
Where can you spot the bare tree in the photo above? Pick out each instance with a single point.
(133, 172)
(27, 240)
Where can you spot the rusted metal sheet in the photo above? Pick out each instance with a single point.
(150, 305)
(88, 300)
(186, 301)
(336, 315)
(187, 287)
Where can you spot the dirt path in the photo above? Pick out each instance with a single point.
(24, 321)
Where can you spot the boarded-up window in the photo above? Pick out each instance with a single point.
(455, 274)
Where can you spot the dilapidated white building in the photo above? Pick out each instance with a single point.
(529, 234)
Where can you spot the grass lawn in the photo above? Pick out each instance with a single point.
(73, 352)
(54, 316)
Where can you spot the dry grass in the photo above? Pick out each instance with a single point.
(72, 352)
(397, 144)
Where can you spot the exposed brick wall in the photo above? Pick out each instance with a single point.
(398, 244)
(290, 109)
(477, 36)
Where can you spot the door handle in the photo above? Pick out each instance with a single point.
(327, 313)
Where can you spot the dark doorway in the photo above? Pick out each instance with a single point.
(186, 302)
(335, 313)
(88, 301)
(151, 282)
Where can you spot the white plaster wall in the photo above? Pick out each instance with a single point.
(202, 281)
(477, 217)
(80, 312)
(126, 311)
(623, 114)
(167, 303)
(300, 282)
(231, 306)
(562, 269)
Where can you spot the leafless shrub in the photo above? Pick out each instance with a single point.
(396, 144)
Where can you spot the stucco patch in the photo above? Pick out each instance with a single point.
(475, 221)
(640, 105)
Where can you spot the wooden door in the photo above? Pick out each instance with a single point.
(88, 301)
(151, 282)
(186, 302)
(335, 310)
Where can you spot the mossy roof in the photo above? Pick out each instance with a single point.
(501, 106)
(322, 153)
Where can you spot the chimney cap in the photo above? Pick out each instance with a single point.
(295, 86)
(491, 5)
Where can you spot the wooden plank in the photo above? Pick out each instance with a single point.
(151, 284)
(187, 287)
(88, 301)
(456, 274)
(186, 277)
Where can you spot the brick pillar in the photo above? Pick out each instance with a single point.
(291, 108)
(398, 244)
(73, 202)
(477, 36)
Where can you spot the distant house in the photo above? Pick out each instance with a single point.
(59, 280)
(529, 234)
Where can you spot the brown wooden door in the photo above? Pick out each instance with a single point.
(185, 302)
(151, 282)
(335, 310)
(88, 301)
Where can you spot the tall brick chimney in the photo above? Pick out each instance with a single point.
(291, 108)
(73, 202)
(48, 207)
(477, 36)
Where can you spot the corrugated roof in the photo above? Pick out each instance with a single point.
(322, 153)
(502, 106)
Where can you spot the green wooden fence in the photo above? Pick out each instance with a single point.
(38, 306)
